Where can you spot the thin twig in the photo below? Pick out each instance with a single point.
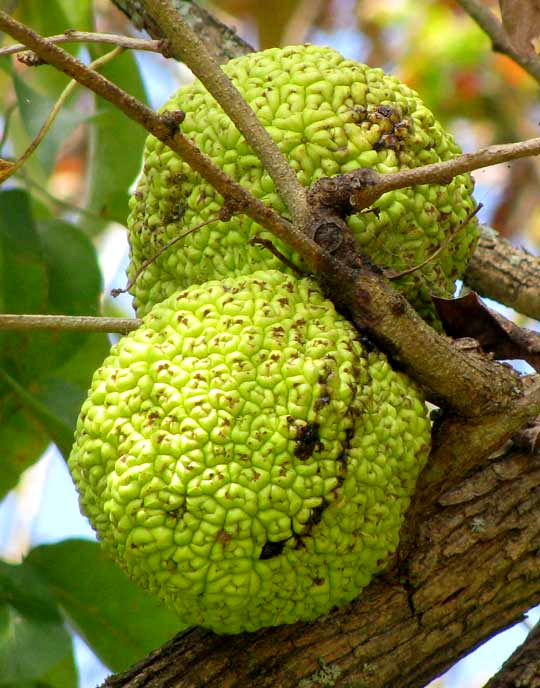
(126, 42)
(79, 323)
(160, 252)
(10, 169)
(185, 42)
(489, 23)
(389, 274)
(257, 240)
(438, 172)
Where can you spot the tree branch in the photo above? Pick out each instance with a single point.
(505, 273)
(489, 23)
(72, 36)
(471, 384)
(522, 668)
(222, 42)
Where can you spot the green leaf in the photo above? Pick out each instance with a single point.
(34, 108)
(66, 249)
(120, 622)
(23, 277)
(116, 145)
(35, 647)
(48, 266)
(60, 15)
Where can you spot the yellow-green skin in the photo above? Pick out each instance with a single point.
(243, 457)
(328, 115)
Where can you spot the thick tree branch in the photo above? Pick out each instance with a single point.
(220, 40)
(505, 273)
(489, 23)
(522, 668)
(472, 571)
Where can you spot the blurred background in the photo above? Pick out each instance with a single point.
(78, 180)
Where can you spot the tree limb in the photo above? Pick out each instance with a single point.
(522, 668)
(77, 323)
(220, 40)
(489, 23)
(91, 37)
(505, 273)
(185, 42)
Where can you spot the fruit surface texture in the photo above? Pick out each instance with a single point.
(328, 115)
(242, 456)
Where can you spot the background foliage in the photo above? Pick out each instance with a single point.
(59, 215)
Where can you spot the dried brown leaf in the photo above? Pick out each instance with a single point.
(468, 316)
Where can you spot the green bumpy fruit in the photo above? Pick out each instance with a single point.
(244, 458)
(328, 115)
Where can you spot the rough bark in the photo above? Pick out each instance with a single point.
(505, 273)
(222, 41)
(522, 669)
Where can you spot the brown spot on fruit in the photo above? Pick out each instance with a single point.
(307, 441)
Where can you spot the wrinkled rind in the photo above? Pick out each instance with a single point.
(242, 457)
(328, 115)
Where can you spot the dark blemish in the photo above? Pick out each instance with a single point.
(368, 345)
(322, 401)
(307, 441)
(342, 460)
(316, 515)
(223, 538)
(318, 581)
(272, 549)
